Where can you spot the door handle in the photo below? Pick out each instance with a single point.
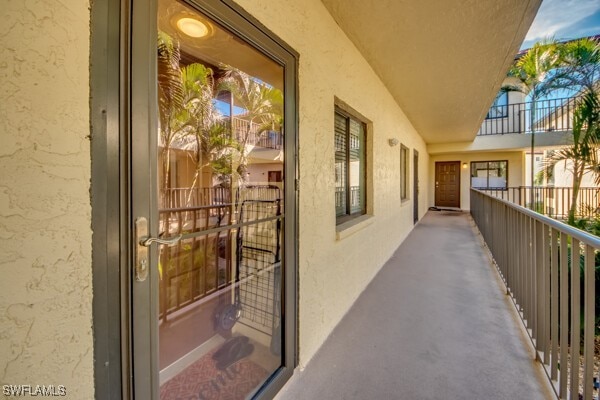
(142, 242)
(147, 241)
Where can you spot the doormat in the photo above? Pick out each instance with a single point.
(204, 381)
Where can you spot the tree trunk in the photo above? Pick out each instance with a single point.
(577, 177)
(166, 195)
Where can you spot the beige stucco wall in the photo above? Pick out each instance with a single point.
(334, 272)
(563, 175)
(45, 256)
(515, 171)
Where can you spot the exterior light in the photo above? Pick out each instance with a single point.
(465, 165)
(192, 27)
(393, 142)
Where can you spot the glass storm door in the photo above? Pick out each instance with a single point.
(210, 226)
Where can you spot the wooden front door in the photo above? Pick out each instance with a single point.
(447, 184)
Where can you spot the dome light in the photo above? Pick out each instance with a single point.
(192, 27)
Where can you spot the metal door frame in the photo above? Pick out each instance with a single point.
(114, 100)
(415, 186)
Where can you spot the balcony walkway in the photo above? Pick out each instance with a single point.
(433, 324)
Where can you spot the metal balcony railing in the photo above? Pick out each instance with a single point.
(213, 196)
(554, 202)
(198, 265)
(201, 263)
(194, 197)
(549, 270)
(549, 115)
(249, 133)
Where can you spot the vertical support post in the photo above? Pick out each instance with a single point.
(546, 276)
(575, 322)
(538, 299)
(589, 322)
(564, 315)
(554, 296)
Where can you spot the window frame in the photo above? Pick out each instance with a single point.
(487, 187)
(344, 112)
(500, 110)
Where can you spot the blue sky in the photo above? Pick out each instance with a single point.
(564, 19)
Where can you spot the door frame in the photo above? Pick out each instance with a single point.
(415, 186)
(435, 197)
(111, 104)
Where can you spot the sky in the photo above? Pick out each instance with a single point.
(564, 19)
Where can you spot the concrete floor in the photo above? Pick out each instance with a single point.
(433, 324)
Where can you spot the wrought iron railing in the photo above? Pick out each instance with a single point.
(210, 196)
(201, 263)
(194, 197)
(549, 270)
(250, 133)
(554, 202)
(548, 116)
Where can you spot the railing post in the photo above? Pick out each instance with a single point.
(589, 322)
(564, 315)
(575, 322)
(553, 302)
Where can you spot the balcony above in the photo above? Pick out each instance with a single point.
(555, 115)
(509, 127)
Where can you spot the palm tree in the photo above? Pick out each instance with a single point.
(188, 117)
(534, 73)
(170, 98)
(263, 107)
(580, 65)
(579, 70)
(583, 152)
(203, 132)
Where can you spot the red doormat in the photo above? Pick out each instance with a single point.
(203, 381)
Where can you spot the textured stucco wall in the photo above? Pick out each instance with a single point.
(45, 256)
(45, 301)
(515, 171)
(563, 175)
(333, 272)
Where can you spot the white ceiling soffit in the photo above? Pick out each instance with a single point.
(443, 61)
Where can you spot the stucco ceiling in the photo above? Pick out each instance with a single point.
(443, 61)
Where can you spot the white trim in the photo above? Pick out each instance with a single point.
(175, 368)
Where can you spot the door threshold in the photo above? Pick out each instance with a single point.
(178, 366)
(442, 208)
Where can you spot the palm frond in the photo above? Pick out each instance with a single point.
(170, 89)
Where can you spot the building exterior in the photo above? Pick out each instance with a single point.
(504, 139)
(84, 300)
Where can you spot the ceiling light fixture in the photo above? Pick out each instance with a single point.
(192, 27)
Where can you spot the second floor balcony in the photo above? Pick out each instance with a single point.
(555, 115)
(250, 134)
